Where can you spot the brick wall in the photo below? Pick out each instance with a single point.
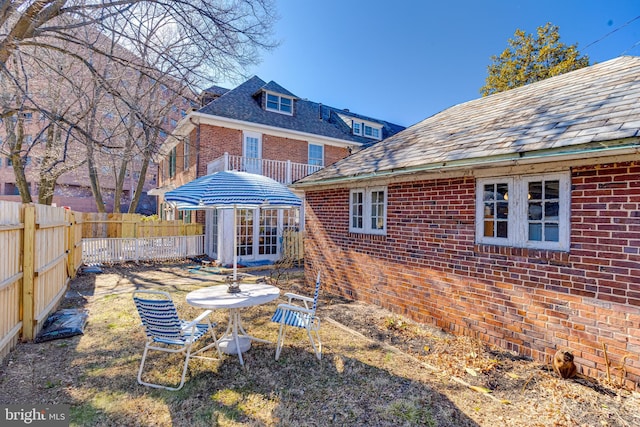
(278, 148)
(214, 142)
(429, 268)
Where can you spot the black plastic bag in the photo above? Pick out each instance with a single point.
(62, 324)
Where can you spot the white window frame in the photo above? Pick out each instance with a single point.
(372, 129)
(366, 129)
(321, 158)
(279, 107)
(518, 206)
(252, 164)
(367, 212)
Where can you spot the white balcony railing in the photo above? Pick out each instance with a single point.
(283, 171)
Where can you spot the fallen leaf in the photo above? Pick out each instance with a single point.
(471, 371)
(512, 375)
(479, 389)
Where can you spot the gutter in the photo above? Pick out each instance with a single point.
(511, 159)
(272, 130)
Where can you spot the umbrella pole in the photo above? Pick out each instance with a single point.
(233, 285)
(235, 245)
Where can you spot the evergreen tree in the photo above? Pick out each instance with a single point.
(530, 59)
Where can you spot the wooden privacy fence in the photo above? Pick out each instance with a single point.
(117, 226)
(111, 238)
(40, 253)
(293, 245)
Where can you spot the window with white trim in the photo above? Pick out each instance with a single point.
(280, 104)
(524, 211)
(366, 129)
(316, 155)
(368, 210)
(371, 132)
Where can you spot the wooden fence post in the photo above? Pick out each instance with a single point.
(28, 267)
(71, 245)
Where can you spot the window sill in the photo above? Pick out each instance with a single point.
(558, 257)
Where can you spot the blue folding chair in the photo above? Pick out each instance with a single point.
(299, 312)
(167, 332)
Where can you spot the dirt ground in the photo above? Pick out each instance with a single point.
(478, 385)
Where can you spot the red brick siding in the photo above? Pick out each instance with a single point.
(428, 267)
(333, 154)
(278, 148)
(214, 142)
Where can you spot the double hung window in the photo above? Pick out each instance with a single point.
(278, 103)
(368, 210)
(369, 130)
(316, 155)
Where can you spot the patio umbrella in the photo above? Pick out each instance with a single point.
(232, 189)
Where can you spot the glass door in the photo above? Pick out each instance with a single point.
(252, 153)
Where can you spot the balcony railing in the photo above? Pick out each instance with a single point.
(283, 171)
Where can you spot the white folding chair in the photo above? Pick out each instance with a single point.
(167, 332)
(299, 312)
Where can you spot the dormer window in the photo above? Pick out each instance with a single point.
(366, 129)
(371, 132)
(280, 104)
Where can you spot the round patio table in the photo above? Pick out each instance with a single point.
(235, 340)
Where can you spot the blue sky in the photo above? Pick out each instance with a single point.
(406, 60)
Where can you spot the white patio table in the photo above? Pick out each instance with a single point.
(215, 297)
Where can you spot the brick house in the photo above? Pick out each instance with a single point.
(262, 128)
(513, 218)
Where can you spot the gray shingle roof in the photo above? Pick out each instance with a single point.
(216, 90)
(244, 103)
(594, 104)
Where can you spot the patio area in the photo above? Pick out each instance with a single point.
(377, 368)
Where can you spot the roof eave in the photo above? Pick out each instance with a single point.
(512, 159)
(203, 118)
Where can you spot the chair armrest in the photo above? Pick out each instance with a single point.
(197, 320)
(299, 297)
(295, 308)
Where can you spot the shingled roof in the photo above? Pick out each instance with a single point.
(587, 109)
(244, 103)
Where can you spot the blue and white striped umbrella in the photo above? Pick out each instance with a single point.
(232, 190)
(229, 189)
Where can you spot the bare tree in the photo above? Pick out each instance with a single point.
(36, 144)
(131, 60)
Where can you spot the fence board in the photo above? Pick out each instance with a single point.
(11, 230)
(293, 245)
(50, 265)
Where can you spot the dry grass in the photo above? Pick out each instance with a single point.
(377, 370)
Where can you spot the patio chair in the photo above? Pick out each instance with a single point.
(299, 312)
(167, 332)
